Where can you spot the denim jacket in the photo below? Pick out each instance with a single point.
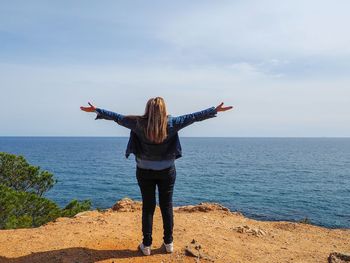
(141, 147)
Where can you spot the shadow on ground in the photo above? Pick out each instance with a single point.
(78, 254)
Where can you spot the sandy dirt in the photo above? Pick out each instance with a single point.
(209, 231)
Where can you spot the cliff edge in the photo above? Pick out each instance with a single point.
(207, 232)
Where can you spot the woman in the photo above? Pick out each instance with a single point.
(155, 143)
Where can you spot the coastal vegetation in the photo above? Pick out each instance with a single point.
(22, 189)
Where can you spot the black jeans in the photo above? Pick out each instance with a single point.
(165, 180)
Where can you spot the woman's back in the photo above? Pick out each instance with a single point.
(170, 148)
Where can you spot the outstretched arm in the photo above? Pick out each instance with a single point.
(186, 120)
(109, 115)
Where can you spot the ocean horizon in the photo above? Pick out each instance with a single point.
(265, 178)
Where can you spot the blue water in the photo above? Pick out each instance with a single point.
(264, 178)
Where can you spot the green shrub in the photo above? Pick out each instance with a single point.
(22, 209)
(17, 173)
(21, 190)
(75, 207)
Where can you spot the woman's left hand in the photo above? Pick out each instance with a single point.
(92, 108)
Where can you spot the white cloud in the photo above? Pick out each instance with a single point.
(46, 100)
(283, 65)
(263, 29)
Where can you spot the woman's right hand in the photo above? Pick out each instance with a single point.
(220, 108)
(92, 108)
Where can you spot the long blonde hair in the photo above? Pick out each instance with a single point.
(157, 121)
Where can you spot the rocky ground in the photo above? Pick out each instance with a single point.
(207, 232)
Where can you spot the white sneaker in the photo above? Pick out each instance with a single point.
(145, 250)
(169, 247)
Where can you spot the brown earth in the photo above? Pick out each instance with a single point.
(207, 232)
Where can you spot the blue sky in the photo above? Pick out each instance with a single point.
(283, 65)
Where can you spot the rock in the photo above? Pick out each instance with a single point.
(202, 207)
(287, 226)
(101, 220)
(194, 249)
(62, 219)
(254, 231)
(82, 214)
(127, 205)
(336, 257)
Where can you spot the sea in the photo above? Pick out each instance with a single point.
(273, 179)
